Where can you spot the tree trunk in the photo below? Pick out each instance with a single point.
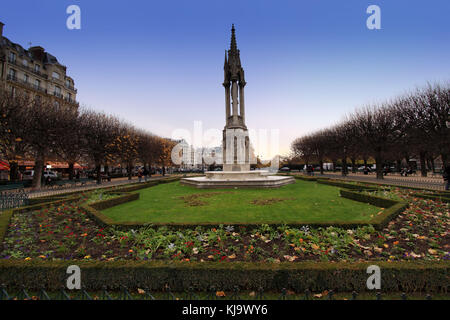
(379, 165)
(71, 170)
(321, 165)
(399, 165)
(353, 165)
(433, 169)
(130, 172)
(445, 160)
(13, 170)
(344, 171)
(38, 168)
(98, 168)
(163, 171)
(423, 164)
(365, 162)
(334, 164)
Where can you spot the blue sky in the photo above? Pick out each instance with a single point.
(159, 64)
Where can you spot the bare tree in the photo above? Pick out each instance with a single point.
(14, 125)
(99, 131)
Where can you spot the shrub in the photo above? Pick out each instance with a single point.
(156, 275)
(108, 203)
(351, 186)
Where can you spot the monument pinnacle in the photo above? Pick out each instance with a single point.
(233, 45)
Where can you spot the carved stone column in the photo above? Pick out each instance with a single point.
(241, 101)
(227, 101)
(234, 96)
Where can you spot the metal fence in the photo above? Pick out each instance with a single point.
(10, 200)
(167, 294)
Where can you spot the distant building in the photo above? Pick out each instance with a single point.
(35, 72)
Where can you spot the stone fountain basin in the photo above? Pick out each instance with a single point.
(238, 179)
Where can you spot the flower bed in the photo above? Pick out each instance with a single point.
(43, 236)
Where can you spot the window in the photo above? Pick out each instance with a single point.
(67, 83)
(55, 75)
(69, 97)
(58, 92)
(37, 68)
(12, 74)
(12, 57)
(25, 62)
(37, 84)
(25, 78)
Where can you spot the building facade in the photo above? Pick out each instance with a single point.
(35, 72)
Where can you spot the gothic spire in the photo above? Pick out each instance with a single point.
(233, 46)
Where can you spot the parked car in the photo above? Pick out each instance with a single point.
(29, 174)
(285, 169)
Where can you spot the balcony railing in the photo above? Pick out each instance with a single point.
(39, 88)
(70, 87)
(12, 78)
(37, 72)
(29, 69)
(56, 94)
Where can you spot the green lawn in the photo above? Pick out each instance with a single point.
(302, 202)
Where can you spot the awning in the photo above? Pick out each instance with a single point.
(4, 166)
(29, 164)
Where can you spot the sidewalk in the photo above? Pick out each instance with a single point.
(435, 183)
(91, 186)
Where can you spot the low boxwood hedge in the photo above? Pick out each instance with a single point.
(366, 198)
(392, 207)
(341, 184)
(437, 197)
(108, 203)
(157, 275)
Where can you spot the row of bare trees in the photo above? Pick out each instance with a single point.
(43, 130)
(413, 125)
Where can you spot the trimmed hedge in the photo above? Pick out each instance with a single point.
(108, 203)
(345, 185)
(366, 198)
(437, 197)
(155, 275)
(392, 208)
(5, 218)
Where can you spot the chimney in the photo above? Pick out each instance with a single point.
(37, 52)
(1, 29)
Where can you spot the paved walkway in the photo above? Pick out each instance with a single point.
(435, 183)
(91, 186)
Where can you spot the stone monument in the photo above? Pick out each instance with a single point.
(236, 148)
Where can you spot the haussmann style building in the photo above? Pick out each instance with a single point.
(35, 72)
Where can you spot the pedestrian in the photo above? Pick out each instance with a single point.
(446, 176)
(140, 175)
